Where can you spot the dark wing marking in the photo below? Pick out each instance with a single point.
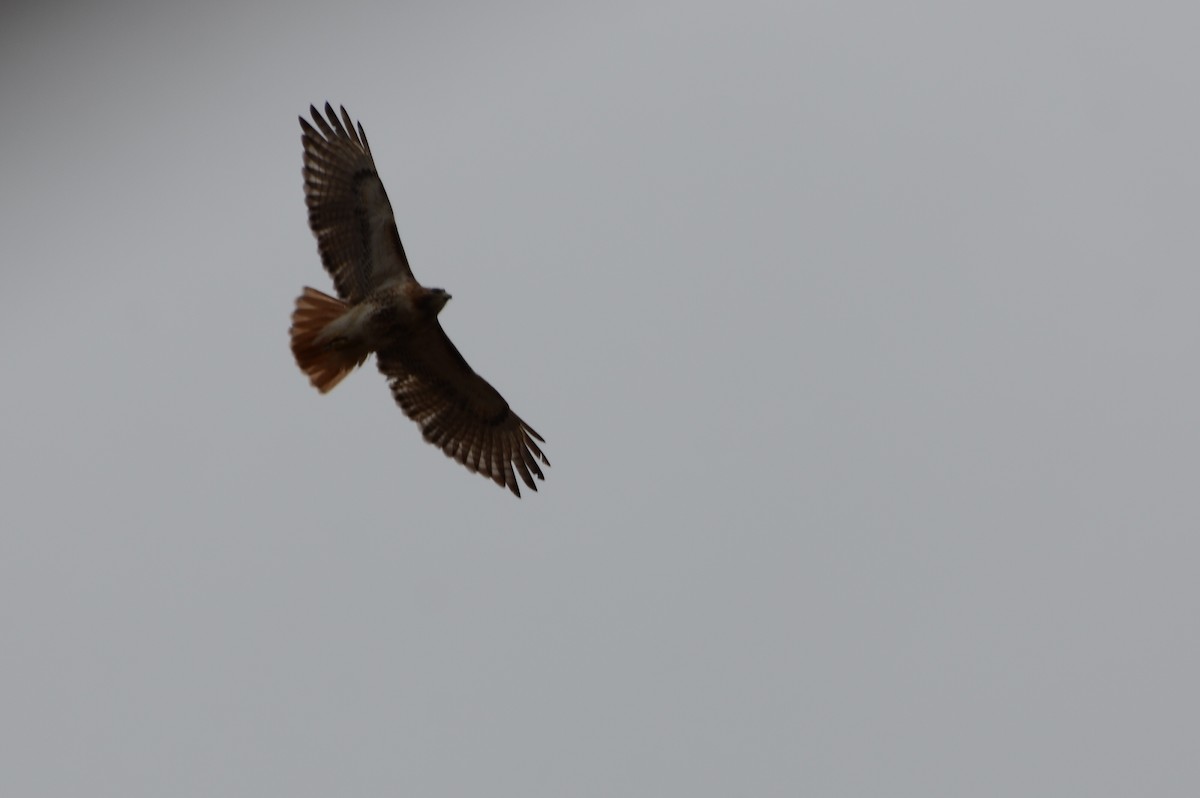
(458, 411)
(348, 210)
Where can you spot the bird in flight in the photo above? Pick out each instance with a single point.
(381, 308)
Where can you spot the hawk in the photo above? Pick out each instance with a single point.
(381, 308)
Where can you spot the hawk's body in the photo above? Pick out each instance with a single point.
(383, 309)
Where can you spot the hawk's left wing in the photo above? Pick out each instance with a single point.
(459, 411)
(348, 210)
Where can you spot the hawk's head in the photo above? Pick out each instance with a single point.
(434, 300)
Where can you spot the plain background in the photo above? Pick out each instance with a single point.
(863, 337)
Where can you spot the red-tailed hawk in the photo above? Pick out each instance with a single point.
(383, 309)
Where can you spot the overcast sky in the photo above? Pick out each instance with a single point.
(863, 337)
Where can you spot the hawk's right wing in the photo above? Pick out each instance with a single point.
(348, 210)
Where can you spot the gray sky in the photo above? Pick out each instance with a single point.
(863, 337)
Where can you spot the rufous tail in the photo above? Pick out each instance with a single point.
(326, 362)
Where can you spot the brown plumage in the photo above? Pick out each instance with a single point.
(381, 308)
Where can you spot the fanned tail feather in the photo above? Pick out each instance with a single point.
(325, 362)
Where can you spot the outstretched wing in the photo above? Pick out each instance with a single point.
(348, 210)
(458, 411)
